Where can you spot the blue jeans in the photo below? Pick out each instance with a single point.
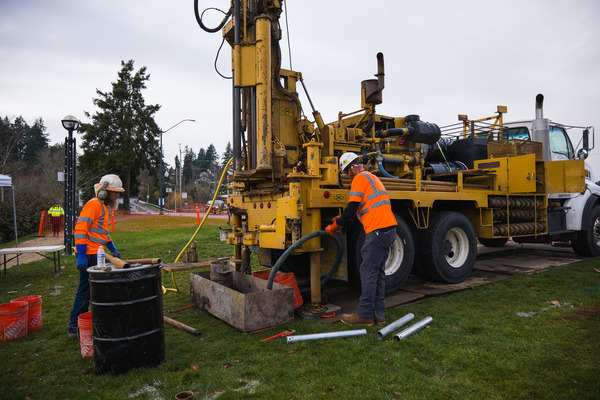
(374, 253)
(81, 303)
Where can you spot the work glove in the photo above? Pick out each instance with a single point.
(82, 260)
(111, 246)
(333, 228)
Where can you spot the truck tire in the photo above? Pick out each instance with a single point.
(587, 243)
(398, 264)
(496, 242)
(448, 248)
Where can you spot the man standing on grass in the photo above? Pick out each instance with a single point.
(91, 232)
(370, 202)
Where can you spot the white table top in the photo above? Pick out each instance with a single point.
(38, 249)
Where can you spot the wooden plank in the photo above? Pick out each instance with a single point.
(526, 263)
(187, 266)
(477, 278)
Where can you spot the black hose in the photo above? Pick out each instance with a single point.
(199, 18)
(284, 256)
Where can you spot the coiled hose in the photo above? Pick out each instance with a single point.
(284, 256)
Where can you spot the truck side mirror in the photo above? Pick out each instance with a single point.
(582, 154)
(586, 139)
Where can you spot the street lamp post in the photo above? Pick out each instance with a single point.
(70, 123)
(161, 160)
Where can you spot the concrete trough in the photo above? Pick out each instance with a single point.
(247, 305)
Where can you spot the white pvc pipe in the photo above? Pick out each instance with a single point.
(416, 327)
(395, 325)
(326, 335)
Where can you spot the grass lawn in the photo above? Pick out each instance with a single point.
(531, 336)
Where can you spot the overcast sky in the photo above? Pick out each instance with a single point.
(442, 58)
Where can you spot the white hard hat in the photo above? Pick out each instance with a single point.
(346, 159)
(110, 182)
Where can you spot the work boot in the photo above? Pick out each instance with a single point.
(380, 321)
(354, 319)
(73, 333)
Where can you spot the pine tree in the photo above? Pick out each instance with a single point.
(123, 137)
(227, 155)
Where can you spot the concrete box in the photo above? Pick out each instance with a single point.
(247, 305)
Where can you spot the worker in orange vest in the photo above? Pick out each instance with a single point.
(91, 232)
(370, 202)
(56, 214)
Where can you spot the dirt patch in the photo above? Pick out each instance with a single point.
(29, 257)
(594, 312)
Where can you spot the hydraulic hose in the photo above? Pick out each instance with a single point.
(299, 242)
(207, 211)
(384, 172)
(204, 27)
(198, 229)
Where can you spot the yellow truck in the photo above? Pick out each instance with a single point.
(448, 189)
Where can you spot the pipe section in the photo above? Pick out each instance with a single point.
(541, 128)
(395, 325)
(237, 94)
(263, 93)
(416, 327)
(326, 335)
(539, 106)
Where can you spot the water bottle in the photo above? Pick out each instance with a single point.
(101, 257)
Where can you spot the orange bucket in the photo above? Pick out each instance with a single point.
(84, 322)
(13, 320)
(34, 311)
(287, 279)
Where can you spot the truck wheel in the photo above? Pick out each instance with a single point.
(448, 248)
(587, 243)
(398, 264)
(497, 242)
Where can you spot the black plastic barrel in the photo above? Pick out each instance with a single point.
(127, 318)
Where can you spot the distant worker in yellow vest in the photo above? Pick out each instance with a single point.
(56, 214)
(370, 203)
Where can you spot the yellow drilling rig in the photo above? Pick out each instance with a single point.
(482, 180)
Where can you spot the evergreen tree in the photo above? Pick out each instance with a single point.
(188, 161)
(227, 155)
(20, 144)
(211, 159)
(200, 160)
(123, 136)
(35, 140)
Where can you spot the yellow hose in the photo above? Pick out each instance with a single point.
(199, 226)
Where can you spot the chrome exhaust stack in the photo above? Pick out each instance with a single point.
(541, 128)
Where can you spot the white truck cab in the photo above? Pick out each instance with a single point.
(572, 216)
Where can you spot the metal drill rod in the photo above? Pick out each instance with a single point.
(394, 325)
(416, 327)
(326, 335)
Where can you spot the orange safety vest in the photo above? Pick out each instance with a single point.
(375, 209)
(92, 226)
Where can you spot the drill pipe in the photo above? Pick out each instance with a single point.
(394, 325)
(414, 328)
(326, 335)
